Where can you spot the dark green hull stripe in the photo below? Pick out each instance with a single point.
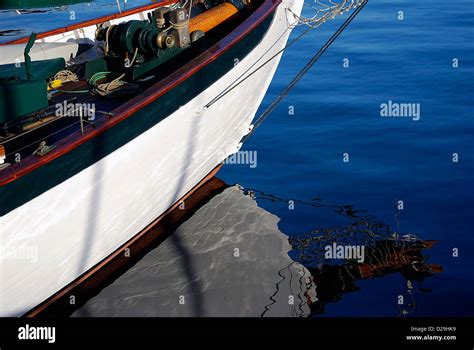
(24, 189)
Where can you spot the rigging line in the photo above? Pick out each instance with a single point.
(215, 99)
(29, 131)
(49, 135)
(38, 141)
(302, 290)
(230, 87)
(43, 114)
(293, 309)
(277, 286)
(305, 69)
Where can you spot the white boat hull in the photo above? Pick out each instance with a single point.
(78, 223)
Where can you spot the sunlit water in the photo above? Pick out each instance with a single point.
(337, 111)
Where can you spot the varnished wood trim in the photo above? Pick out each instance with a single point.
(126, 110)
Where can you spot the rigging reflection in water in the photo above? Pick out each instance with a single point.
(385, 252)
(261, 279)
(384, 257)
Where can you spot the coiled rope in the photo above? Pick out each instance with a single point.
(65, 76)
(115, 88)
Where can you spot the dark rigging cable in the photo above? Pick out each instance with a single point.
(298, 77)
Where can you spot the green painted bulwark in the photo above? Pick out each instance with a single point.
(22, 190)
(20, 97)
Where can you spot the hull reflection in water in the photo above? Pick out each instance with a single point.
(231, 259)
(221, 262)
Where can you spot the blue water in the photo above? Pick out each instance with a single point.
(337, 111)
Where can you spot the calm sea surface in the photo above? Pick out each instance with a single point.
(337, 111)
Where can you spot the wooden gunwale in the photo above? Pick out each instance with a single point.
(160, 88)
